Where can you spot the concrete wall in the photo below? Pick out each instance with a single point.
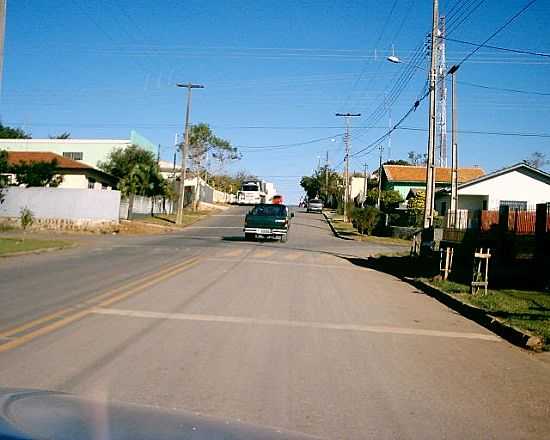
(146, 205)
(79, 205)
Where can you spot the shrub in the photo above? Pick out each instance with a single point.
(439, 222)
(366, 219)
(26, 217)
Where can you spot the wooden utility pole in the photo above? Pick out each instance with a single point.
(2, 34)
(365, 183)
(185, 151)
(378, 202)
(326, 179)
(454, 149)
(347, 142)
(430, 166)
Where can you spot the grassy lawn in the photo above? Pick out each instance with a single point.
(347, 230)
(529, 310)
(170, 219)
(13, 245)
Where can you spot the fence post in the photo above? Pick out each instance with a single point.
(542, 243)
(503, 218)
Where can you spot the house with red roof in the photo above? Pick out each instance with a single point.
(74, 174)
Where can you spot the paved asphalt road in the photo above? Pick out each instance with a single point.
(293, 335)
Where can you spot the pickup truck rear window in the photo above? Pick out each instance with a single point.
(270, 210)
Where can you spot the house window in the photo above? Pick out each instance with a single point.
(443, 208)
(519, 205)
(91, 183)
(74, 155)
(485, 205)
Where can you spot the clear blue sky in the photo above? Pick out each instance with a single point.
(275, 73)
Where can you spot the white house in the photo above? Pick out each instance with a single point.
(75, 174)
(518, 186)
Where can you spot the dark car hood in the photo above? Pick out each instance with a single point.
(30, 415)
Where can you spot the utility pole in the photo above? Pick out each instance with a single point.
(365, 184)
(347, 142)
(454, 154)
(326, 179)
(2, 34)
(185, 151)
(175, 155)
(430, 165)
(158, 154)
(441, 97)
(378, 204)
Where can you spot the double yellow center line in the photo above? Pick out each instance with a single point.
(43, 325)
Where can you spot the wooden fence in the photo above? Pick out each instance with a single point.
(519, 222)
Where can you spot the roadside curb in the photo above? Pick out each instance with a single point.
(336, 234)
(39, 251)
(514, 335)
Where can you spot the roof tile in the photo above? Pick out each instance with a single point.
(409, 173)
(15, 157)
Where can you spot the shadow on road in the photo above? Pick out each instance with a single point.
(399, 266)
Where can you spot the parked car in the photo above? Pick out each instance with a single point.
(314, 205)
(268, 221)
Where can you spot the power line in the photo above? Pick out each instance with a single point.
(506, 24)
(458, 22)
(504, 89)
(505, 49)
(295, 144)
(380, 35)
(413, 108)
(487, 132)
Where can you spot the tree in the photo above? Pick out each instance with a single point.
(417, 158)
(12, 133)
(37, 173)
(4, 170)
(137, 171)
(316, 186)
(397, 162)
(311, 185)
(537, 160)
(243, 176)
(121, 161)
(416, 206)
(64, 135)
(203, 140)
(389, 199)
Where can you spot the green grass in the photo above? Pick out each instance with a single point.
(526, 309)
(170, 219)
(14, 245)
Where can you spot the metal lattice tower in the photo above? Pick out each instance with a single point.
(441, 99)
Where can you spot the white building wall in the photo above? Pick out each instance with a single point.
(510, 186)
(74, 181)
(357, 187)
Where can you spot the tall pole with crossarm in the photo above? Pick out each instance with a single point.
(185, 151)
(430, 166)
(347, 142)
(2, 34)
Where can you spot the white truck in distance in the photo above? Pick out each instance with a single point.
(253, 192)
